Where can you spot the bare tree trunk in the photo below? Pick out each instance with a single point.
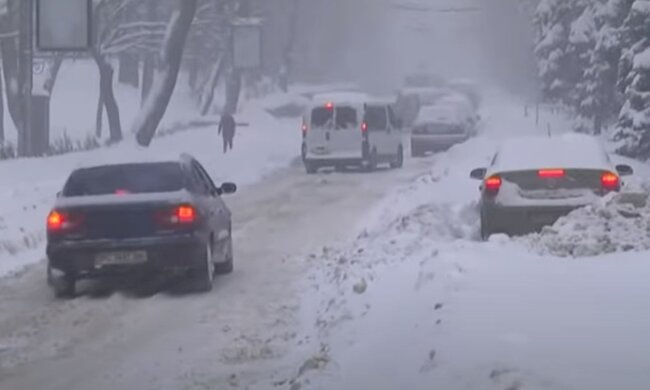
(148, 68)
(208, 92)
(233, 90)
(53, 72)
(2, 112)
(193, 72)
(106, 91)
(99, 117)
(172, 53)
(13, 86)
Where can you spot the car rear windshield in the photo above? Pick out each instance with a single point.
(320, 116)
(375, 118)
(130, 178)
(439, 128)
(346, 117)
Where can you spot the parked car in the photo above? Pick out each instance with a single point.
(468, 88)
(351, 131)
(439, 127)
(533, 181)
(411, 100)
(145, 219)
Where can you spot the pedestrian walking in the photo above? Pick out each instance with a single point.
(227, 127)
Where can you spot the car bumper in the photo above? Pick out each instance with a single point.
(172, 254)
(435, 143)
(519, 220)
(331, 158)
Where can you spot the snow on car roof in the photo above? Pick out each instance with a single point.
(565, 151)
(341, 97)
(132, 154)
(436, 114)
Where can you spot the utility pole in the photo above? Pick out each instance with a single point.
(26, 46)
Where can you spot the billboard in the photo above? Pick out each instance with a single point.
(63, 25)
(247, 43)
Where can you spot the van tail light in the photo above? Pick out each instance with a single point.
(63, 221)
(178, 216)
(492, 184)
(304, 128)
(550, 173)
(610, 181)
(364, 127)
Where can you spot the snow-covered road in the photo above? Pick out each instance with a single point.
(244, 327)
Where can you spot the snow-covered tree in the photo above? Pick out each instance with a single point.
(633, 130)
(563, 32)
(166, 76)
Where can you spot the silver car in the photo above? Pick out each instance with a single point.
(531, 182)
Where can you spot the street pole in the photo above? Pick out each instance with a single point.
(26, 67)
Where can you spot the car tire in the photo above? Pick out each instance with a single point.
(486, 229)
(399, 160)
(310, 167)
(228, 266)
(64, 287)
(371, 163)
(203, 275)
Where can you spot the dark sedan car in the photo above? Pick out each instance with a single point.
(139, 218)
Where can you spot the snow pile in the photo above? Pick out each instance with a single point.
(617, 223)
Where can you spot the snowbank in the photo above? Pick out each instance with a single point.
(618, 223)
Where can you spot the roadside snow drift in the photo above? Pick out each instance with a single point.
(418, 302)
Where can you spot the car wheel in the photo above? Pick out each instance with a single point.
(371, 163)
(399, 160)
(310, 167)
(64, 286)
(228, 266)
(486, 229)
(203, 277)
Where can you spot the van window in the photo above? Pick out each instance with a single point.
(375, 118)
(320, 116)
(346, 118)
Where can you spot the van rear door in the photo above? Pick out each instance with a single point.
(346, 138)
(320, 125)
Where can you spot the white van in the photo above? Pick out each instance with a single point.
(353, 130)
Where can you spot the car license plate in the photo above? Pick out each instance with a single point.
(546, 219)
(120, 258)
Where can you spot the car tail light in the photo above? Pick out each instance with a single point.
(609, 181)
(329, 106)
(63, 222)
(179, 216)
(550, 173)
(493, 184)
(364, 127)
(304, 129)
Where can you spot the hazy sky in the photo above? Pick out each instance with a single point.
(375, 42)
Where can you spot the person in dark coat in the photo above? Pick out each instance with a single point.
(227, 127)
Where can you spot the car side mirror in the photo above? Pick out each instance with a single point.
(228, 188)
(478, 173)
(624, 170)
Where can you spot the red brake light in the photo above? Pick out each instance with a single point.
(610, 181)
(185, 214)
(550, 173)
(59, 221)
(304, 128)
(329, 105)
(54, 221)
(493, 183)
(121, 192)
(364, 127)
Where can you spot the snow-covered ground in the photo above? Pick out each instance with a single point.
(418, 302)
(29, 186)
